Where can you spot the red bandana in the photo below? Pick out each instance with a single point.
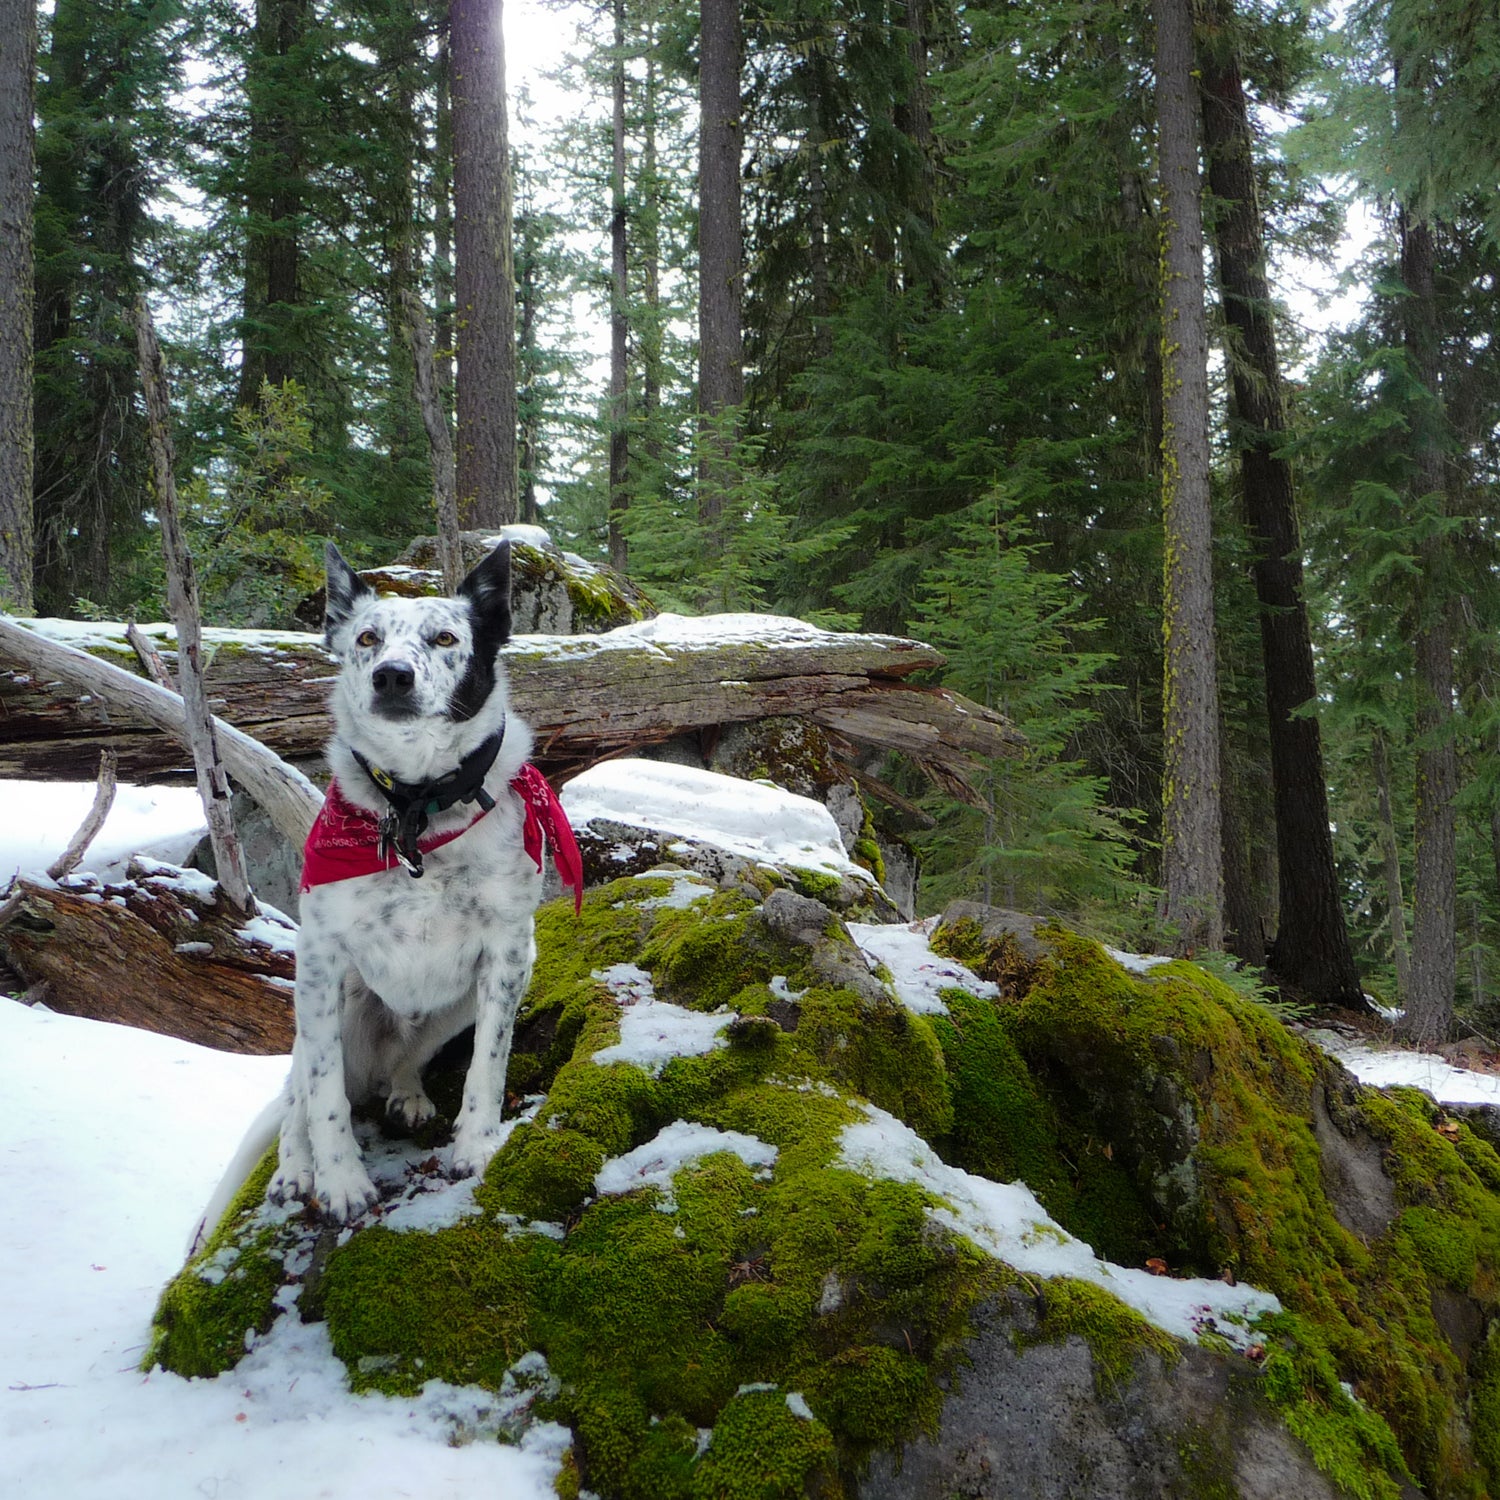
(344, 842)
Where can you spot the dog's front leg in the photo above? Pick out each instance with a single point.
(504, 973)
(339, 1180)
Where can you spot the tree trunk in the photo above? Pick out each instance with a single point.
(1191, 859)
(650, 334)
(1391, 853)
(484, 277)
(182, 600)
(17, 71)
(442, 222)
(439, 439)
(273, 198)
(1434, 966)
(619, 319)
(1311, 952)
(721, 352)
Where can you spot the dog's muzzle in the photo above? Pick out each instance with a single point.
(394, 683)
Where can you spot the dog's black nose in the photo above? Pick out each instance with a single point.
(393, 679)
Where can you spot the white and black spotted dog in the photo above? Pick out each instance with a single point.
(419, 886)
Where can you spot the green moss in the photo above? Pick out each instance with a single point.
(1348, 1442)
(761, 1450)
(1117, 1335)
(818, 884)
(226, 1290)
(1006, 1128)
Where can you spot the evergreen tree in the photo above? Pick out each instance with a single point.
(1311, 951)
(1046, 840)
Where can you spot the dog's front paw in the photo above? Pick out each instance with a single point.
(344, 1193)
(472, 1150)
(292, 1179)
(412, 1109)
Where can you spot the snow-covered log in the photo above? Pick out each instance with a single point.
(162, 950)
(587, 697)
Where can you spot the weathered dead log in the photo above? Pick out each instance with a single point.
(162, 951)
(129, 712)
(587, 697)
(187, 617)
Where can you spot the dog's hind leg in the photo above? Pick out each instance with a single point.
(504, 973)
(407, 1098)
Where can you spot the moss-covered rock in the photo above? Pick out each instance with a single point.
(736, 1329)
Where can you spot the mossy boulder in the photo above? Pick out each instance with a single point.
(786, 1322)
(552, 592)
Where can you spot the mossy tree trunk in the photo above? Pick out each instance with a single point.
(619, 324)
(484, 273)
(1311, 950)
(721, 351)
(1192, 862)
(1434, 958)
(17, 65)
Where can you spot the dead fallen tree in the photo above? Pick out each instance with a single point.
(162, 951)
(587, 697)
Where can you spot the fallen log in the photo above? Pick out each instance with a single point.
(162, 951)
(587, 697)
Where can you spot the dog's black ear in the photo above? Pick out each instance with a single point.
(345, 589)
(487, 588)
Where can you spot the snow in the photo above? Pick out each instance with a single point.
(687, 887)
(116, 1139)
(1389, 1067)
(110, 634)
(919, 975)
(678, 1145)
(1137, 963)
(37, 818)
(652, 1031)
(732, 629)
(1006, 1220)
(752, 819)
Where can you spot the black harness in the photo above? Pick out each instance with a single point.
(413, 802)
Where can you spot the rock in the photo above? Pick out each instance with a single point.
(552, 592)
(1033, 1418)
(781, 1254)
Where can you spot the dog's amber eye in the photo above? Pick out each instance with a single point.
(367, 638)
(445, 638)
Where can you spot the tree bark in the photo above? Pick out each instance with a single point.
(1434, 944)
(1191, 857)
(439, 440)
(619, 315)
(1391, 854)
(442, 221)
(587, 698)
(157, 952)
(1311, 951)
(182, 599)
(17, 73)
(484, 275)
(721, 349)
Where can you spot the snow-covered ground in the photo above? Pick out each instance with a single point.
(1386, 1067)
(37, 818)
(115, 1139)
